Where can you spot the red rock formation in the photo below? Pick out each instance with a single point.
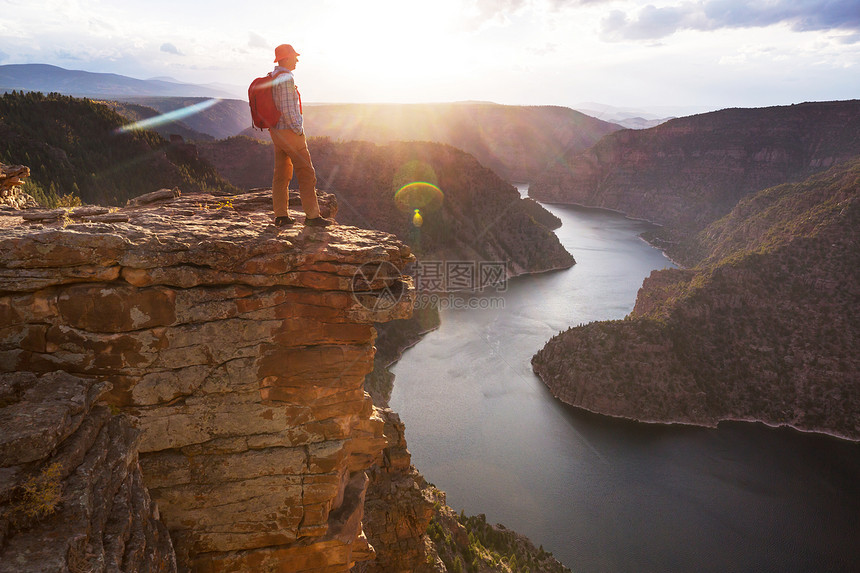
(238, 349)
(399, 507)
(71, 491)
(690, 171)
(11, 194)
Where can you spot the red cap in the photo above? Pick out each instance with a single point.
(284, 51)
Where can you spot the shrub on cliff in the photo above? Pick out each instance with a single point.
(37, 497)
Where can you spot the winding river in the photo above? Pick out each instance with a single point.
(603, 494)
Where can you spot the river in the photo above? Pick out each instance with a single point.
(603, 494)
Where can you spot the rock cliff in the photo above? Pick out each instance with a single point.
(766, 328)
(12, 197)
(71, 491)
(690, 171)
(226, 354)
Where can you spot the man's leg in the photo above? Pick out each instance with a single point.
(296, 147)
(281, 176)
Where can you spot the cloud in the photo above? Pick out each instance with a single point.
(171, 49)
(482, 13)
(852, 39)
(546, 49)
(258, 41)
(67, 55)
(3, 56)
(707, 15)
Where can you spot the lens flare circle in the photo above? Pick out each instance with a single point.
(419, 195)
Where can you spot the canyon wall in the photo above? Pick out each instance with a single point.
(766, 328)
(12, 196)
(236, 349)
(690, 171)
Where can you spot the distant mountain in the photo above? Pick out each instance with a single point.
(688, 172)
(765, 328)
(225, 118)
(77, 146)
(517, 142)
(640, 122)
(137, 112)
(629, 118)
(46, 78)
(636, 117)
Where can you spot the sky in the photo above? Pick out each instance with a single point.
(659, 56)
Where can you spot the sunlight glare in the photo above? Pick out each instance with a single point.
(168, 117)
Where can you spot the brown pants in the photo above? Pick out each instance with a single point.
(291, 152)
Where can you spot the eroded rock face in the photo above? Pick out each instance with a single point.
(11, 194)
(690, 171)
(399, 507)
(238, 349)
(71, 492)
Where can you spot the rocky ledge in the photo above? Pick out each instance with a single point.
(224, 354)
(12, 197)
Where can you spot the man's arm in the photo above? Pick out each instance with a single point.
(287, 101)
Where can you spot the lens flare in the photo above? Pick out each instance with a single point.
(417, 219)
(168, 117)
(419, 195)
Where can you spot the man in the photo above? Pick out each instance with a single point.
(291, 148)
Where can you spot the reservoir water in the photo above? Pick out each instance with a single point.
(603, 494)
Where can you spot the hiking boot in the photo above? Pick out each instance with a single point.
(318, 222)
(283, 221)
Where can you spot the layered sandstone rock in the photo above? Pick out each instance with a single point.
(238, 349)
(11, 194)
(71, 491)
(399, 507)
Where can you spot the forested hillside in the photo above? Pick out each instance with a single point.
(223, 118)
(690, 171)
(136, 112)
(765, 328)
(76, 146)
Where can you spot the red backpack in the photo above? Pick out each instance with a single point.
(264, 112)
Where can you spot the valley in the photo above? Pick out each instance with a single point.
(760, 206)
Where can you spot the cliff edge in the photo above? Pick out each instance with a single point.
(225, 358)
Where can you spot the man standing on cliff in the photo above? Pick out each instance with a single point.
(291, 147)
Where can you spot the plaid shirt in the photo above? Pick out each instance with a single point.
(287, 100)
